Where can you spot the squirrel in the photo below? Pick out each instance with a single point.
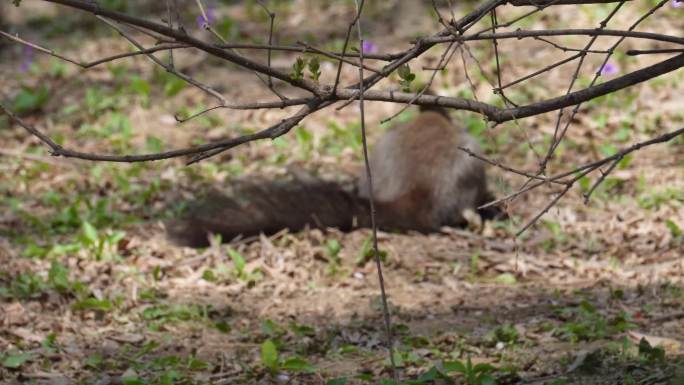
(422, 181)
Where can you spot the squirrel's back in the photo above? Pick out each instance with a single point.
(421, 179)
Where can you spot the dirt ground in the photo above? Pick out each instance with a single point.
(92, 291)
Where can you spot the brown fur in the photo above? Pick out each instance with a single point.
(422, 181)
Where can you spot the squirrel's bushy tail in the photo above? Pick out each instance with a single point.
(252, 208)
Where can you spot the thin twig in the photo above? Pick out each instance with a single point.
(248, 106)
(522, 34)
(181, 75)
(331, 55)
(376, 250)
(635, 52)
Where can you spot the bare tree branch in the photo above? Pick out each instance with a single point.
(317, 95)
(541, 3)
(181, 36)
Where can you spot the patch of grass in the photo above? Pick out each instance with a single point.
(305, 142)
(506, 334)
(29, 285)
(223, 273)
(274, 363)
(98, 100)
(15, 359)
(159, 369)
(30, 99)
(655, 199)
(332, 251)
(585, 323)
(87, 239)
(161, 314)
(336, 139)
(558, 237)
(367, 253)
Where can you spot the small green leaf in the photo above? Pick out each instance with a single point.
(34, 251)
(153, 144)
(222, 327)
(94, 361)
(585, 183)
(608, 149)
(271, 328)
(429, 376)
(132, 380)
(406, 76)
(29, 99)
(368, 252)
(333, 247)
(304, 141)
(173, 86)
(297, 364)
(675, 230)
(196, 364)
(209, 276)
(238, 260)
(302, 330)
(140, 86)
(625, 161)
(483, 368)
(14, 361)
(298, 69)
(454, 366)
(506, 279)
(280, 142)
(269, 355)
(487, 379)
(398, 360)
(89, 233)
(404, 71)
(58, 277)
(93, 304)
(315, 67)
(587, 307)
(337, 381)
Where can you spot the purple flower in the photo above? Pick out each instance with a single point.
(26, 58)
(369, 47)
(609, 69)
(677, 3)
(211, 17)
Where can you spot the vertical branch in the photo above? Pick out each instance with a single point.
(190, 80)
(558, 135)
(176, 15)
(169, 22)
(207, 25)
(271, 16)
(376, 251)
(344, 52)
(495, 44)
(609, 54)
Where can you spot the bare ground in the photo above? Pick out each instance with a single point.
(568, 301)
